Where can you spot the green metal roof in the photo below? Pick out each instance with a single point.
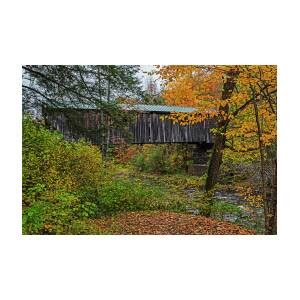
(133, 107)
(157, 108)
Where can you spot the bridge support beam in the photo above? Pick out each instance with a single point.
(200, 160)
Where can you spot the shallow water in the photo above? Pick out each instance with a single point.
(245, 215)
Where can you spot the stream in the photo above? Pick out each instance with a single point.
(238, 211)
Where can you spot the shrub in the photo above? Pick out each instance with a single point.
(61, 216)
(84, 227)
(139, 162)
(51, 164)
(160, 159)
(61, 181)
(124, 153)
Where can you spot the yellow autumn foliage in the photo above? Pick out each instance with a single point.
(201, 87)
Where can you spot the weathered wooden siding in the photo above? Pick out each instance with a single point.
(148, 128)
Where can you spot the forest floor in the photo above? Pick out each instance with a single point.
(231, 215)
(161, 223)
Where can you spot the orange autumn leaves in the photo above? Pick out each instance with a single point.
(201, 87)
(190, 85)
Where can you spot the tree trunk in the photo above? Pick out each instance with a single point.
(102, 119)
(270, 199)
(108, 125)
(274, 196)
(215, 162)
(220, 137)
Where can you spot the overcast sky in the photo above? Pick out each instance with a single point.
(143, 76)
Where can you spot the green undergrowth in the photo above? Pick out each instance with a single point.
(164, 191)
(123, 191)
(67, 184)
(161, 159)
(60, 182)
(181, 193)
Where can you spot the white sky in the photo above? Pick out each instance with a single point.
(143, 76)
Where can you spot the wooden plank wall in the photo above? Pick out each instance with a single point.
(148, 128)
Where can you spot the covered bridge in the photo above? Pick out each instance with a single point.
(146, 127)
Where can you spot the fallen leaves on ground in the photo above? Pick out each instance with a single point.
(166, 223)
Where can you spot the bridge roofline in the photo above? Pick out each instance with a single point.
(157, 108)
(128, 107)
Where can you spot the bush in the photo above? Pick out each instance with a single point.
(61, 216)
(61, 181)
(124, 153)
(139, 162)
(161, 159)
(122, 195)
(51, 164)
